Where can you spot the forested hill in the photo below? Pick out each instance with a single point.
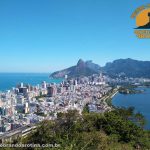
(93, 131)
(128, 67)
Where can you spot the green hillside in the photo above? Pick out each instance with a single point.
(92, 131)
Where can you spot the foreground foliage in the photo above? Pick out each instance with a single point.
(113, 130)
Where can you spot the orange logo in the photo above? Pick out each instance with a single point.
(142, 17)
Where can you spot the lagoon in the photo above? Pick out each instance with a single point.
(141, 103)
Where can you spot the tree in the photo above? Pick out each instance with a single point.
(140, 120)
(111, 130)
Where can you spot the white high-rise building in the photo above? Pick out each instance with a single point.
(44, 85)
(26, 108)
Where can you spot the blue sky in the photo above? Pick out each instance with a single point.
(48, 35)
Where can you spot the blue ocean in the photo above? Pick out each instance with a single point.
(9, 80)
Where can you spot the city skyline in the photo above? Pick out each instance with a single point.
(49, 36)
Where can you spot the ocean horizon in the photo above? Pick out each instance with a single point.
(10, 80)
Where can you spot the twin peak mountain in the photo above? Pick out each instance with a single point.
(129, 67)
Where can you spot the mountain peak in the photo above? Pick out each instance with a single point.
(81, 69)
(128, 66)
(80, 62)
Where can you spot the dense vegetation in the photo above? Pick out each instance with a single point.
(129, 90)
(130, 68)
(113, 130)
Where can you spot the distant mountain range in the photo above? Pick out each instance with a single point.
(128, 67)
(81, 69)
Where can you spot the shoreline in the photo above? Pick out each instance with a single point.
(114, 94)
(108, 98)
